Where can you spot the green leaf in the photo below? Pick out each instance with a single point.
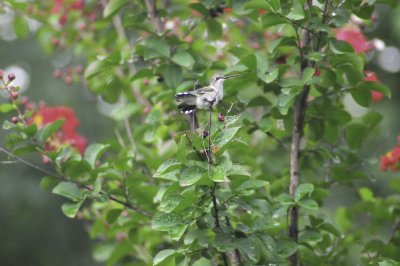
(112, 215)
(331, 229)
(48, 182)
(270, 77)
(68, 190)
(355, 135)
(252, 184)
(191, 175)
(167, 166)
(163, 255)
(372, 119)
(173, 75)
(125, 111)
(225, 136)
(184, 59)
(366, 194)
(302, 190)
(170, 202)
(285, 101)
(181, 155)
(285, 248)
(308, 74)
(93, 152)
(199, 7)
(308, 204)
(164, 221)
(112, 7)
(21, 27)
(202, 262)
(218, 174)
(45, 132)
(6, 107)
(70, 209)
(285, 199)
(177, 232)
(250, 247)
(270, 19)
(362, 96)
(159, 46)
(296, 11)
(331, 132)
(375, 86)
(214, 29)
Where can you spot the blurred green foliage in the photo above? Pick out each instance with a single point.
(155, 193)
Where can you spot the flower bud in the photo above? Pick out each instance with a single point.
(11, 77)
(14, 119)
(221, 118)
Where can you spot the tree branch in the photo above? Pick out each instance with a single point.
(297, 131)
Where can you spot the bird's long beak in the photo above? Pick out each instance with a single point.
(231, 76)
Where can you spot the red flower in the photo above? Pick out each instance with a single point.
(391, 160)
(67, 134)
(355, 38)
(372, 77)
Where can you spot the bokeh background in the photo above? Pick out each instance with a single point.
(33, 229)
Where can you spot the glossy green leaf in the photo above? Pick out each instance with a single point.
(296, 11)
(93, 152)
(45, 132)
(225, 136)
(217, 174)
(163, 255)
(302, 190)
(252, 184)
(164, 221)
(70, 209)
(285, 248)
(68, 190)
(250, 247)
(167, 166)
(191, 175)
(285, 101)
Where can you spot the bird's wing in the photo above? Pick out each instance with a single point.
(204, 90)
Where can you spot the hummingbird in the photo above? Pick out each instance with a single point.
(203, 98)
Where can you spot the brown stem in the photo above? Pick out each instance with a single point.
(153, 14)
(216, 217)
(297, 131)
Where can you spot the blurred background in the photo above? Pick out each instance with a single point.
(33, 229)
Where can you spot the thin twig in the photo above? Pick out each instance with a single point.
(153, 14)
(194, 148)
(216, 218)
(278, 140)
(55, 175)
(209, 138)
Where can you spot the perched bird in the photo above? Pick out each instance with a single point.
(203, 98)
